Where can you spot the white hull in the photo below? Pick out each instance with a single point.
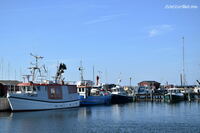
(18, 104)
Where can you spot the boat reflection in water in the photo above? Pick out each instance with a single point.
(130, 117)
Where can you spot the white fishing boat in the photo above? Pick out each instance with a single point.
(197, 88)
(43, 95)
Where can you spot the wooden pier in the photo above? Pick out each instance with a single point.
(149, 97)
(160, 97)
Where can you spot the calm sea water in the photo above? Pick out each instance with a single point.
(138, 117)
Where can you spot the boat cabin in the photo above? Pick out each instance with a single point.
(45, 91)
(84, 88)
(118, 90)
(174, 90)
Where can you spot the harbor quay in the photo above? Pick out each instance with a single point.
(109, 94)
(37, 92)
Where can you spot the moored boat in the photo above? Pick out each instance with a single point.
(120, 96)
(174, 95)
(90, 95)
(43, 95)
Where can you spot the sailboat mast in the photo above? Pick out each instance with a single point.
(183, 52)
(93, 73)
(81, 70)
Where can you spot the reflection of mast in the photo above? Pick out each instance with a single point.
(81, 70)
(35, 67)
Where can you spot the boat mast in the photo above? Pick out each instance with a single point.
(100, 77)
(119, 79)
(130, 80)
(35, 67)
(81, 70)
(183, 69)
(93, 73)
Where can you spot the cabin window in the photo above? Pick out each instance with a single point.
(55, 92)
(82, 89)
(23, 89)
(28, 89)
(79, 89)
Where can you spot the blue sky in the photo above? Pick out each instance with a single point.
(139, 39)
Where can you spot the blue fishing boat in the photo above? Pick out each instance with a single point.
(92, 95)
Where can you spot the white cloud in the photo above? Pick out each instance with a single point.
(104, 18)
(159, 29)
(153, 32)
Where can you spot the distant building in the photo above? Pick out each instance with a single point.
(169, 86)
(149, 84)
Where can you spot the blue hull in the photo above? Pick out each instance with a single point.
(95, 100)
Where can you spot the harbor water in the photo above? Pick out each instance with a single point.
(151, 117)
